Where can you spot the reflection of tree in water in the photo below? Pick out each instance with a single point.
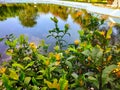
(59, 11)
(85, 19)
(27, 12)
(43, 8)
(9, 11)
(28, 15)
(56, 10)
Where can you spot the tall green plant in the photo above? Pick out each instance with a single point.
(58, 34)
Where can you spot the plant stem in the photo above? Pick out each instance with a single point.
(101, 72)
(100, 81)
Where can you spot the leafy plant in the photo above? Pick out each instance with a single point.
(90, 63)
(58, 34)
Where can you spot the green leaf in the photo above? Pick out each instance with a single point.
(44, 88)
(19, 88)
(71, 57)
(54, 19)
(42, 57)
(11, 43)
(22, 76)
(69, 64)
(106, 72)
(75, 75)
(35, 88)
(63, 84)
(27, 80)
(18, 65)
(39, 77)
(94, 81)
(86, 52)
(34, 81)
(21, 39)
(73, 50)
(66, 27)
(81, 32)
(96, 53)
(6, 82)
(30, 72)
(30, 64)
(27, 58)
(52, 68)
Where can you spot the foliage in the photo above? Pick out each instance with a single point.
(91, 62)
(58, 34)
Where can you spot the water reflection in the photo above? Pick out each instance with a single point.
(28, 16)
(34, 21)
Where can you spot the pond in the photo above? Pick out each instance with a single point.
(34, 22)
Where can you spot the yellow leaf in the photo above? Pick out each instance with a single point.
(2, 70)
(57, 63)
(48, 83)
(102, 33)
(13, 75)
(108, 50)
(109, 33)
(55, 84)
(47, 62)
(109, 58)
(81, 82)
(118, 63)
(9, 52)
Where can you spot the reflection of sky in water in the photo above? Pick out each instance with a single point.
(39, 31)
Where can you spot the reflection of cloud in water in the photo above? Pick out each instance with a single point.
(3, 48)
(34, 39)
(115, 31)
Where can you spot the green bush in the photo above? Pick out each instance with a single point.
(91, 62)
